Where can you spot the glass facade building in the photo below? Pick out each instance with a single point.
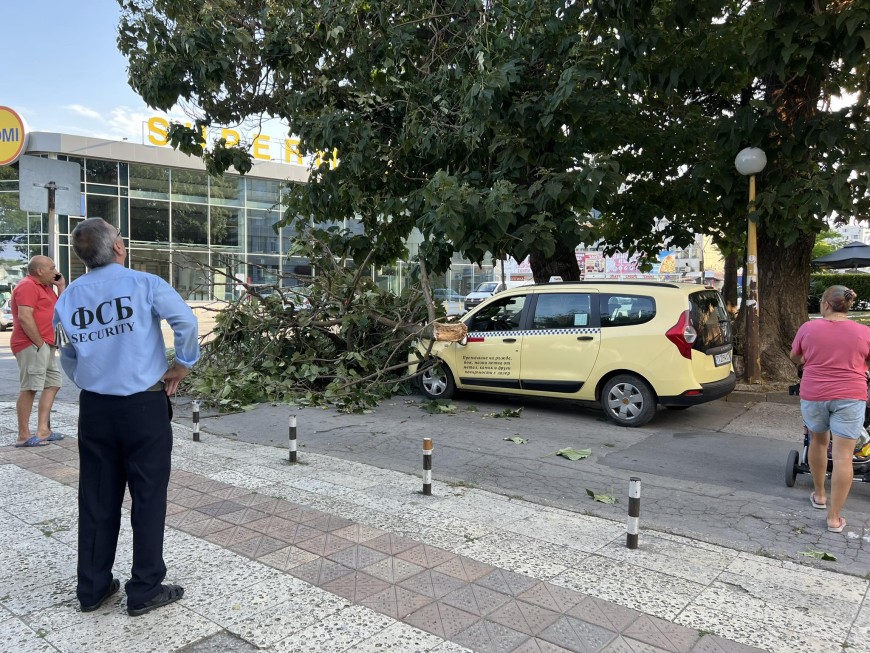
(196, 231)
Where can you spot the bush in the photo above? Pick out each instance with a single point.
(860, 283)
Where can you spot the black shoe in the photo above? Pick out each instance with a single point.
(113, 587)
(168, 594)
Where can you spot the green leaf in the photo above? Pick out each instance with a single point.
(436, 407)
(602, 498)
(507, 412)
(820, 555)
(517, 440)
(574, 454)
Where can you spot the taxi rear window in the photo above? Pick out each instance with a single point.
(710, 319)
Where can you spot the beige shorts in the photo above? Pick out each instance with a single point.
(37, 370)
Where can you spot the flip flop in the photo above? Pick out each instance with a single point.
(838, 529)
(32, 442)
(816, 504)
(55, 436)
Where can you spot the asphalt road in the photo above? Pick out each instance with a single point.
(713, 472)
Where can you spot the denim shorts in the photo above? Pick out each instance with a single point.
(843, 417)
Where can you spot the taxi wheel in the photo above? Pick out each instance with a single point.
(436, 382)
(628, 400)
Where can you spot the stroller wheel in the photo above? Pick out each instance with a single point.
(791, 467)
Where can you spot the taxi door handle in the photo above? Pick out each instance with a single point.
(583, 338)
(509, 340)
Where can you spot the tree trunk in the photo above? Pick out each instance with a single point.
(563, 263)
(784, 280)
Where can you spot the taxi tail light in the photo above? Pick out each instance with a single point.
(683, 335)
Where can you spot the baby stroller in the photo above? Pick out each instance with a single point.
(797, 462)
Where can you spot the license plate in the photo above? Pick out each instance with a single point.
(722, 359)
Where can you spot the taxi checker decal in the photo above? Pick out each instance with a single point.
(480, 336)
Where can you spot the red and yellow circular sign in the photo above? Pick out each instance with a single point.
(13, 136)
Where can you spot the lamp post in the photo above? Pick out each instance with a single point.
(750, 161)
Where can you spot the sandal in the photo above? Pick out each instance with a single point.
(32, 442)
(816, 504)
(837, 529)
(168, 594)
(113, 587)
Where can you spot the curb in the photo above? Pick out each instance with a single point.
(751, 396)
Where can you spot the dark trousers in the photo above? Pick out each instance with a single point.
(122, 441)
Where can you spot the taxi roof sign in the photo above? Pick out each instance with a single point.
(13, 136)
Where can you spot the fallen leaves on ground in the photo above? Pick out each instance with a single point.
(602, 498)
(574, 454)
(436, 407)
(507, 412)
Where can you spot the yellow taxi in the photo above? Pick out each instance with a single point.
(629, 346)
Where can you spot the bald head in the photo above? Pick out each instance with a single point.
(42, 269)
(38, 263)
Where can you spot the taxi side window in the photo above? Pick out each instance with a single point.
(626, 310)
(502, 315)
(562, 311)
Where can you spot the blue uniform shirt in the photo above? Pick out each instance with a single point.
(111, 318)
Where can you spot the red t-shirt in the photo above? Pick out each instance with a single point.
(835, 359)
(29, 292)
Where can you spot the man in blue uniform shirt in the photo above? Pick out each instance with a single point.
(115, 353)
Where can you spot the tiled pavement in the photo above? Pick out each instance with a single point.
(329, 555)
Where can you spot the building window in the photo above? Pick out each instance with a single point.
(149, 181)
(106, 208)
(225, 226)
(263, 193)
(149, 221)
(101, 172)
(189, 186)
(189, 224)
(228, 190)
(262, 238)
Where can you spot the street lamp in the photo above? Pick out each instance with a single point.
(750, 161)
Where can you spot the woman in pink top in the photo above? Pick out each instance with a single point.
(834, 352)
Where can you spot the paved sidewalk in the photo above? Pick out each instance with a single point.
(331, 555)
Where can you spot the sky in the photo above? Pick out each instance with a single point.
(62, 71)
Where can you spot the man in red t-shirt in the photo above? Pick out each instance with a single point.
(32, 343)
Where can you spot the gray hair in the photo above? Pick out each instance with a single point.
(839, 298)
(94, 242)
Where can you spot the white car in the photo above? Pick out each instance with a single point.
(5, 316)
(483, 291)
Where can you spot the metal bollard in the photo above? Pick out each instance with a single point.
(292, 438)
(427, 465)
(196, 420)
(633, 525)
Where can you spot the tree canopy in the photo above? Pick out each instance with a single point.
(496, 127)
(481, 125)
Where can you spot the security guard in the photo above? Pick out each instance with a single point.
(115, 353)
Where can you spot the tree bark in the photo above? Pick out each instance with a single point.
(784, 280)
(563, 263)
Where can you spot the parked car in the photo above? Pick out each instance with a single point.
(630, 346)
(446, 295)
(291, 297)
(5, 316)
(483, 291)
